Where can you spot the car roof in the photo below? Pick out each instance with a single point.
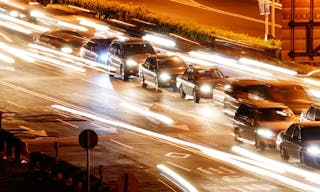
(307, 124)
(203, 67)
(133, 40)
(263, 104)
(246, 82)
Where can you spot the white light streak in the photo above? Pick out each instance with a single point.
(24, 23)
(159, 40)
(72, 26)
(146, 112)
(6, 59)
(185, 184)
(267, 66)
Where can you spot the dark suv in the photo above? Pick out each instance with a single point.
(259, 122)
(126, 55)
(301, 140)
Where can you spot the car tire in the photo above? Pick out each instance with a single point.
(143, 83)
(181, 92)
(156, 84)
(260, 146)
(124, 74)
(196, 97)
(302, 158)
(283, 153)
(236, 136)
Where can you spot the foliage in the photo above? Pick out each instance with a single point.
(111, 9)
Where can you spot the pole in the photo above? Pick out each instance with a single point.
(88, 168)
(266, 21)
(273, 19)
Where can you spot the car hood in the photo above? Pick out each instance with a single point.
(298, 105)
(173, 71)
(211, 82)
(139, 58)
(276, 126)
(313, 142)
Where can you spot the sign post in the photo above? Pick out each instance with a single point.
(88, 139)
(264, 9)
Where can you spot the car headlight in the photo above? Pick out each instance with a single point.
(131, 63)
(205, 89)
(313, 150)
(14, 14)
(66, 49)
(164, 77)
(104, 57)
(266, 133)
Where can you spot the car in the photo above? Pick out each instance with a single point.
(95, 49)
(126, 55)
(301, 140)
(287, 92)
(161, 70)
(67, 41)
(199, 81)
(311, 114)
(258, 122)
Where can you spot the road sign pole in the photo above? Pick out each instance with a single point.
(88, 169)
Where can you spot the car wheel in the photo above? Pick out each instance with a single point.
(143, 83)
(124, 74)
(196, 97)
(236, 135)
(156, 84)
(182, 93)
(283, 153)
(302, 158)
(260, 145)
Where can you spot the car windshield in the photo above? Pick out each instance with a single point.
(208, 74)
(275, 114)
(283, 94)
(310, 133)
(171, 62)
(142, 48)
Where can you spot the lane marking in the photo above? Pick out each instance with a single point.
(178, 166)
(119, 143)
(15, 104)
(70, 124)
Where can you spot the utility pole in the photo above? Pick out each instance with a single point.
(273, 33)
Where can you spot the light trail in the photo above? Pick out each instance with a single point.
(185, 185)
(148, 113)
(216, 154)
(24, 23)
(267, 66)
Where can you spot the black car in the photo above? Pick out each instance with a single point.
(161, 70)
(125, 55)
(301, 140)
(258, 122)
(67, 41)
(289, 93)
(198, 81)
(96, 49)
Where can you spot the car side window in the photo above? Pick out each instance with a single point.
(296, 133)
(290, 130)
(311, 113)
